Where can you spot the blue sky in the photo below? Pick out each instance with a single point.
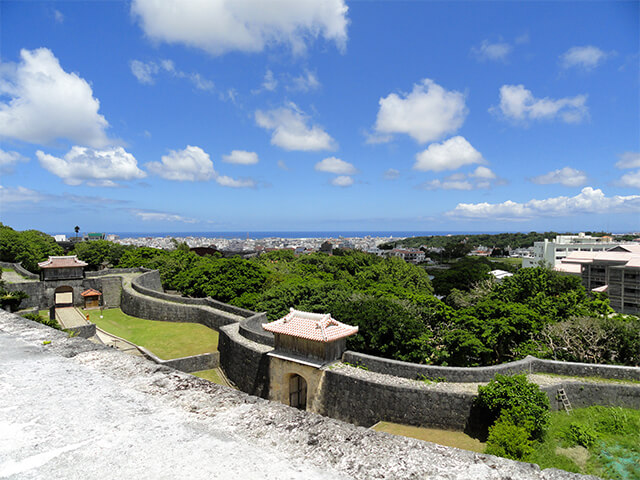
(320, 115)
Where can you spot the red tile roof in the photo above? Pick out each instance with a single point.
(62, 262)
(310, 326)
(90, 293)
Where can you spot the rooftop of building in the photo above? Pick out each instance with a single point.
(70, 261)
(310, 326)
(90, 293)
(620, 255)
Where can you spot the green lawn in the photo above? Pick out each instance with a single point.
(165, 339)
(511, 260)
(442, 437)
(605, 442)
(212, 375)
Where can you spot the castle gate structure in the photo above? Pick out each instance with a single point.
(62, 268)
(63, 296)
(304, 343)
(62, 276)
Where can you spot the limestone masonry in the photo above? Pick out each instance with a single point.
(72, 409)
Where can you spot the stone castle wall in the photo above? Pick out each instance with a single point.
(387, 391)
(20, 269)
(484, 374)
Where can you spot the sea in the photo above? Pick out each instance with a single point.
(292, 234)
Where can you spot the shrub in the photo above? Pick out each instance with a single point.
(45, 321)
(509, 441)
(579, 434)
(519, 400)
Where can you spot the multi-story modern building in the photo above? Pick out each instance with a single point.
(550, 253)
(408, 255)
(615, 271)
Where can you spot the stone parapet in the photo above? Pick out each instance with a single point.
(244, 362)
(529, 364)
(20, 269)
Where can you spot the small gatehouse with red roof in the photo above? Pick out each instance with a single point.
(304, 343)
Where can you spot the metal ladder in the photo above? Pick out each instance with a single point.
(565, 400)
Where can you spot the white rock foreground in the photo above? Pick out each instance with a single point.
(72, 410)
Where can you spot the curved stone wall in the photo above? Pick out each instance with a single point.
(484, 374)
(364, 399)
(151, 308)
(20, 269)
(244, 362)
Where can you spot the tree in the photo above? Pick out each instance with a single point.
(28, 247)
(516, 400)
(98, 252)
(76, 229)
(462, 275)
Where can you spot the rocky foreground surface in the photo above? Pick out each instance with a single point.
(71, 409)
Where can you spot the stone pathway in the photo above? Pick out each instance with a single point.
(121, 344)
(11, 276)
(70, 317)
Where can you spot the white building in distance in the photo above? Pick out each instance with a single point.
(551, 253)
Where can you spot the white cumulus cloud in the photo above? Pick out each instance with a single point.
(567, 176)
(335, 165)
(95, 167)
(290, 130)
(587, 57)
(628, 160)
(426, 114)
(448, 155)
(481, 177)
(518, 103)
(220, 26)
(342, 181)
(305, 82)
(269, 83)
(589, 200)
(226, 181)
(193, 164)
(630, 179)
(447, 184)
(190, 164)
(241, 157)
(46, 103)
(149, 216)
(492, 51)
(145, 73)
(484, 173)
(9, 159)
(19, 195)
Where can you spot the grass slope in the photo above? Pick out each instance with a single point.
(165, 339)
(212, 375)
(607, 443)
(435, 435)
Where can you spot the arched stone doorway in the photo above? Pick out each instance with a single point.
(63, 296)
(298, 392)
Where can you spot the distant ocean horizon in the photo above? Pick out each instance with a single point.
(292, 234)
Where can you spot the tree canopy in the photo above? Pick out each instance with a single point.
(27, 248)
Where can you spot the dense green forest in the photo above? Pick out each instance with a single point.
(499, 240)
(536, 312)
(28, 247)
(478, 322)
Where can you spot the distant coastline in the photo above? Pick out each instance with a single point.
(289, 234)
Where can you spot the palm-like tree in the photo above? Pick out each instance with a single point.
(77, 229)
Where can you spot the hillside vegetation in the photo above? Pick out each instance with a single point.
(479, 322)
(535, 312)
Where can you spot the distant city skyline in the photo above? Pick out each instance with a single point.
(327, 115)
